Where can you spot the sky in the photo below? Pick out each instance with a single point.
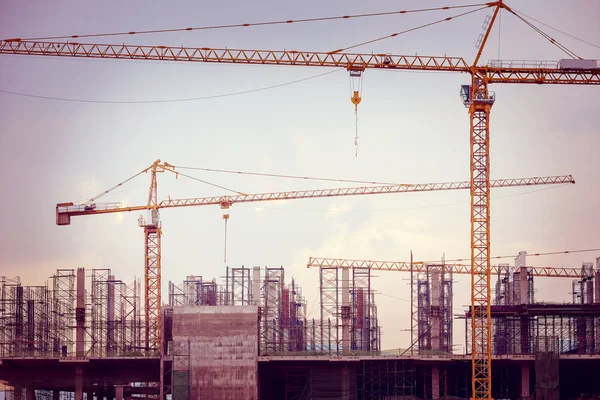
(412, 128)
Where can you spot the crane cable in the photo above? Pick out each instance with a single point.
(551, 253)
(241, 25)
(170, 100)
(356, 134)
(555, 29)
(114, 187)
(208, 183)
(409, 30)
(289, 176)
(546, 36)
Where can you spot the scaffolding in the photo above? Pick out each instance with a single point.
(116, 321)
(63, 312)
(293, 308)
(239, 286)
(521, 326)
(393, 378)
(283, 325)
(529, 328)
(195, 292)
(271, 312)
(432, 295)
(41, 321)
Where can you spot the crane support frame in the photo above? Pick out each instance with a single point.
(152, 285)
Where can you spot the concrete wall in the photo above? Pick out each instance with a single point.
(223, 350)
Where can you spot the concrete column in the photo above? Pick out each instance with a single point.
(110, 315)
(597, 296)
(256, 286)
(30, 393)
(161, 388)
(191, 288)
(345, 381)
(525, 380)
(18, 392)
(119, 392)
(345, 309)
(80, 314)
(78, 383)
(89, 395)
(521, 260)
(435, 310)
(521, 266)
(597, 282)
(523, 285)
(435, 382)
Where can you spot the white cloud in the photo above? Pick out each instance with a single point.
(88, 187)
(337, 210)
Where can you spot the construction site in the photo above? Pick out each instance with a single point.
(251, 331)
(247, 336)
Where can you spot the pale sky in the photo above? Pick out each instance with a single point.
(412, 127)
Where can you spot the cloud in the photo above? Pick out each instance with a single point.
(39, 272)
(119, 216)
(380, 237)
(336, 210)
(88, 187)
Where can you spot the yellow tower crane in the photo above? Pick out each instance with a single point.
(153, 227)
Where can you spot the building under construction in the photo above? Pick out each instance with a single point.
(249, 335)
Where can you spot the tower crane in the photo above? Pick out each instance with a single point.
(475, 96)
(153, 228)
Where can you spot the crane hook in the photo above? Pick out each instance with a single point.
(356, 84)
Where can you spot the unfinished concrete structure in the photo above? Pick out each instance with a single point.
(80, 336)
(211, 352)
(431, 310)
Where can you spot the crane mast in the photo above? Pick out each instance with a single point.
(481, 322)
(152, 262)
